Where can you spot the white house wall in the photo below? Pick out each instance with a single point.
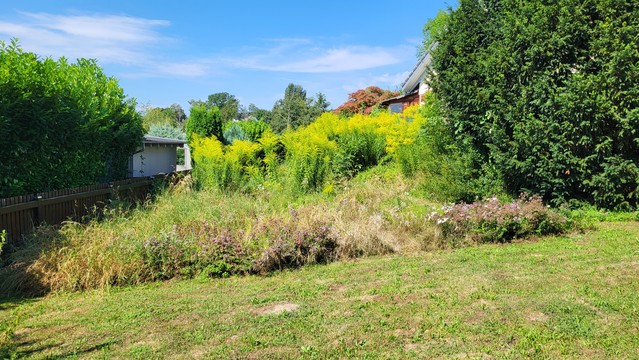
(154, 160)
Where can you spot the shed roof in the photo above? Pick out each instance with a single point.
(149, 139)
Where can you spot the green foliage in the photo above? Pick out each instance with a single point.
(448, 164)
(357, 151)
(8, 339)
(3, 239)
(260, 114)
(61, 124)
(548, 93)
(166, 131)
(203, 121)
(253, 129)
(295, 109)
(433, 30)
(234, 132)
(310, 170)
(250, 130)
(227, 103)
(154, 116)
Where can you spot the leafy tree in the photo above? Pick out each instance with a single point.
(433, 29)
(364, 100)
(318, 106)
(179, 117)
(61, 124)
(289, 112)
(229, 106)
(260, 114)
(152, 116)
(204, 121)
(296, 109)
(156, 116)
(548, 93)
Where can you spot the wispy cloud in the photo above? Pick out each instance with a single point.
(309, 56)
(135, 42)
(338, 60)
(109, 38)
(385, 81)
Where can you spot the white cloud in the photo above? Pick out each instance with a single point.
(302, 55)
(338, 60)
(184, 69)
(109, 38)
(100, 27)
(384, 81)
(134, 42)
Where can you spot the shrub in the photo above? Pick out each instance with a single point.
(548, 94)
(168, 255)
(233, 132)
(254, 129)
(357, 151)
(204, 121)
(292, 245)
(494, 221)
(61, 124)
(449, 164)
(167, 131)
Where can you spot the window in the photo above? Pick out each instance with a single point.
(396, 108)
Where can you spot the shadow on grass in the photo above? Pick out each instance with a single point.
(18, 279)
(38, 351)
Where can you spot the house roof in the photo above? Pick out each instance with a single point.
(397, 99)
(416, 75)
(148, 139)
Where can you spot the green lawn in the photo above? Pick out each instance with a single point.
(575, 297)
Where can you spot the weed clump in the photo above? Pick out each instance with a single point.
(291, 245)
(493, 221)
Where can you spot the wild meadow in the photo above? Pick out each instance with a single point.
(371, 191)
(257, 202)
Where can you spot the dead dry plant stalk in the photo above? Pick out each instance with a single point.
(367, 225)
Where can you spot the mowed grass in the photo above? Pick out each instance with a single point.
(574, 296)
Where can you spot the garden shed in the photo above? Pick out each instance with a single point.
(158, 155)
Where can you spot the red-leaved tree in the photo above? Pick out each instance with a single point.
(362, 101)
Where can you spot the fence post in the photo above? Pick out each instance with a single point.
(39, 214)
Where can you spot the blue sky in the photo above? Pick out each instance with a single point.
(165, 52)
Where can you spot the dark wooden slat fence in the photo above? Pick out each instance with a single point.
(19, 215)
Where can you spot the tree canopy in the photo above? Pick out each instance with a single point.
(229, 105)
(204, 121)
(61, 124)
(296, 109)
(548, 94)
(363, 101)
(433, 29)
(156, 116)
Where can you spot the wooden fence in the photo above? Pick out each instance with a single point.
(19, 215)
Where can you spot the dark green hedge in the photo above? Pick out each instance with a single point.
(61, 124)
(548, 91)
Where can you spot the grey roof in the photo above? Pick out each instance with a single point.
(148, 139)
(415, 76)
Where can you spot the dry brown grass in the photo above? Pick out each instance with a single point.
(376, 213)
